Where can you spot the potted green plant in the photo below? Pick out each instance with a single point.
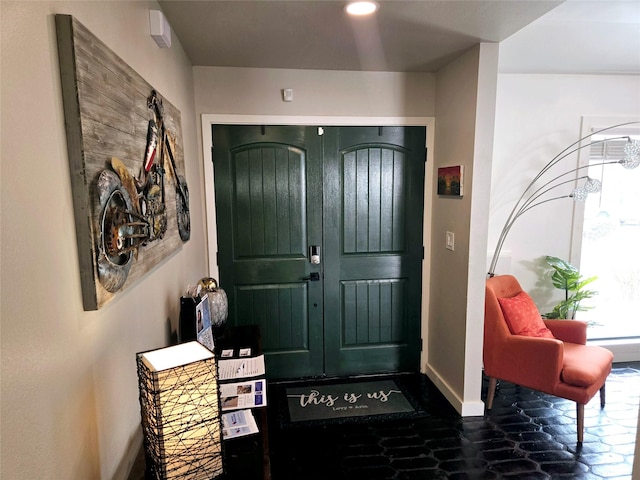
(567, 277)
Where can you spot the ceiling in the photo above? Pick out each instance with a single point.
(541, 36)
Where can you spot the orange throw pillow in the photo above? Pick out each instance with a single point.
(523, 317)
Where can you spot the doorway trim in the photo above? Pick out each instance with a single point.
(211, 235)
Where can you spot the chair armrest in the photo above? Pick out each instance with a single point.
(572, 331)
(529, 361)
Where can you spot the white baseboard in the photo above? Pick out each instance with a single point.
(465, 409)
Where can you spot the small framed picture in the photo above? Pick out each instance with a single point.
(450, 181)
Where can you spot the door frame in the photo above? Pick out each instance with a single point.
(211, 234)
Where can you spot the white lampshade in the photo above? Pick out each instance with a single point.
(180, 410)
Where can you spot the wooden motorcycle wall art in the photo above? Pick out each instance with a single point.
(132, 211)
(126, 166)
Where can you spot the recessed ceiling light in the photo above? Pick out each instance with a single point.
(361, 8)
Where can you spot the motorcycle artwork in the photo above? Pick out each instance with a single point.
(132, 211)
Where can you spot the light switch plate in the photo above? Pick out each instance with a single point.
(450, 241)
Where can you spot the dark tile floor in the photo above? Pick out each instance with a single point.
(528, 435)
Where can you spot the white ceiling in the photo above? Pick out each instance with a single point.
(543, 36)
(579, 36)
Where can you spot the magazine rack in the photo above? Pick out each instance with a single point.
(246, 457)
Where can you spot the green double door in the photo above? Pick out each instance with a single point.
(320, 244)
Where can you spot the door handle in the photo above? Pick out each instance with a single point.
(313, 277)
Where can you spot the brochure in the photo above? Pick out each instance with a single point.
(238, 424)
(245, 367)
(248, 394)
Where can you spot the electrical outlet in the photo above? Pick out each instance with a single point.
(450, 242)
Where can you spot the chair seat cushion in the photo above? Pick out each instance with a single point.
(584, 364)
(522, 316)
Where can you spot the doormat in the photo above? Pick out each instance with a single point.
(348, 401)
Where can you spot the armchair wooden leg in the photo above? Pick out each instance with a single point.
(491, 392)
(580, 417)
(602, 396)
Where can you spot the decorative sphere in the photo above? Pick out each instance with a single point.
(218, 303)
(218, 307)
(592, 185)
(631, 155)
(579, 195)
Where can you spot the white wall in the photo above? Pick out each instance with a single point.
(69, 386)
(465, 93)
(478, 227)
(257, 91)
(537, 116)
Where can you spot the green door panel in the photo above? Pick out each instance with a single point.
(357, 193)
(269, 201)
(374, 181)
(268, 211)
(280, 311)
(373, 312)
(373, 200)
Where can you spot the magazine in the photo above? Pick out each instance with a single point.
(204, 331)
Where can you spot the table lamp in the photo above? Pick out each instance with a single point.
(180, 410)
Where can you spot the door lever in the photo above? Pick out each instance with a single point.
(313, 277)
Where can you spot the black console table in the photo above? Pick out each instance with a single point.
(246, 458)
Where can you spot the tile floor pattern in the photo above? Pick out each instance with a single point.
(528, 435)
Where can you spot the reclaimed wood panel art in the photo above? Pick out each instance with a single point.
(126, 217)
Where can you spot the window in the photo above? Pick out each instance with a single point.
(610, 244)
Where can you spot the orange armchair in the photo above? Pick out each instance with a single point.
(560, 364)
